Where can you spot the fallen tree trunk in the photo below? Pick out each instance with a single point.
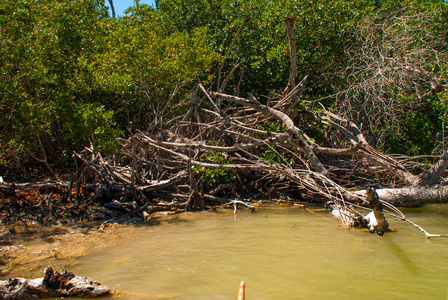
(411, 196)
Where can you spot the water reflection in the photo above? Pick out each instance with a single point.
(401, 255)
(281, 253)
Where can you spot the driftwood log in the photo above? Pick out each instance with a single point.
(53, 284)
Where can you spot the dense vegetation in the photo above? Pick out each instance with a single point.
(71, 75)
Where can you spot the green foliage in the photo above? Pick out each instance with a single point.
(279, 155)
(421, 132)
(45, 86)
(275, 153)
(95, 122)
(274, 127)
(72, 74)
(417, 136)
(214, 176)
(393, 97)
(148, 69)
(263, 44)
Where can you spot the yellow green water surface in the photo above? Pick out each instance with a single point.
(281, 253)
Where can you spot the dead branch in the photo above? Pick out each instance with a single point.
(295, 134)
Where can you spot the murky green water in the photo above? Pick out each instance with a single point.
(281, 253)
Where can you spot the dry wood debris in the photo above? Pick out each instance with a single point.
(216, 155)
(53, 284)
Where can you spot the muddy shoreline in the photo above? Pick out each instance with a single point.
(26, 250)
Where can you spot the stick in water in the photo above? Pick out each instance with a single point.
(242, 290)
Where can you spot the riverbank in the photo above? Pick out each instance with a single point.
(192, 254)
(26, 250)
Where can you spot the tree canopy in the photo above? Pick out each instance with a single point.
(71, 74)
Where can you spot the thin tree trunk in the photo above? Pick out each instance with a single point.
(292, 54)
(111, 2)
(246, 19)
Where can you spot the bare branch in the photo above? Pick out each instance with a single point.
(296, 136)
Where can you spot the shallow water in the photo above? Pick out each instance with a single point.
(281, 253)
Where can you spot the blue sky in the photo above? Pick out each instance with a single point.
(122, 5)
